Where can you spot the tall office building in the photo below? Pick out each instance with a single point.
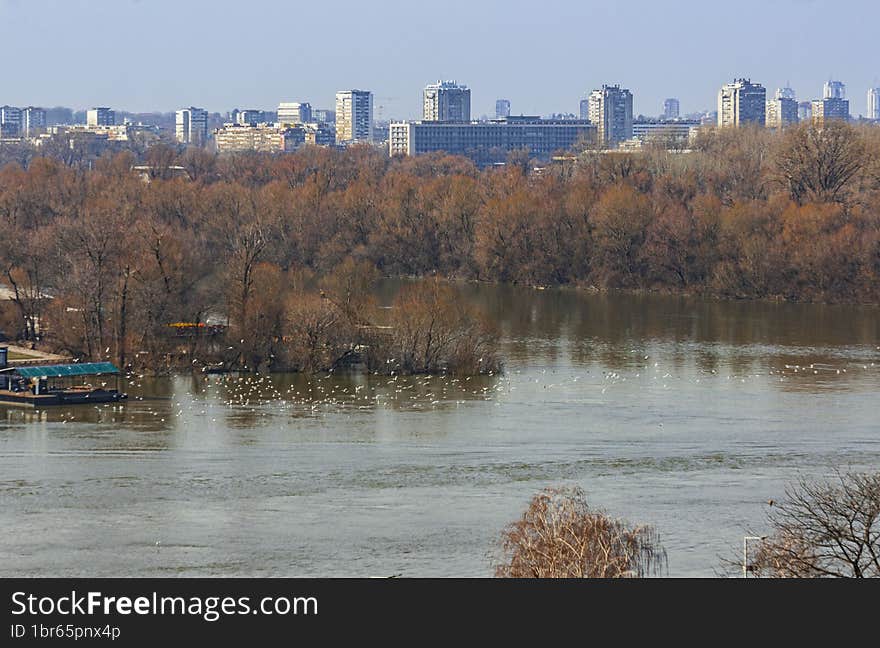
(100, 116)
(10, 121)
(671, 108)
(611, 111)
(742, 102)
(446, 101)
(294, 113)
(191, 126)
(502, 108)
(833, 90)
(873, 103)
(354, 116)
(33, 121)
(830, 108)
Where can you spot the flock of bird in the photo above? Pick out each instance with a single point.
(259, 395)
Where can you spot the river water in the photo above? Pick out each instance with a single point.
(685, 414)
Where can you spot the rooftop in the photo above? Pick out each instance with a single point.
(57, 371)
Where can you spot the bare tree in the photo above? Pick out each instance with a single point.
(818, 163)
(560, 536)
(824, 529)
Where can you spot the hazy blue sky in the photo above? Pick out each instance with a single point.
(544, 55)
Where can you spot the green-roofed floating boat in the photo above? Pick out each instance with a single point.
(59, 384)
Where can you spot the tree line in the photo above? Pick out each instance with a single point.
(281, 248)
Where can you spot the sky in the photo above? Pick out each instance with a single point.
(544, 55)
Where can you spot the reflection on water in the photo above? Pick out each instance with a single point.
(684, 413)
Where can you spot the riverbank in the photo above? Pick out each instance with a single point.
(368, 350)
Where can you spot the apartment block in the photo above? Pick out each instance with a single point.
(742, 102)
(294, 113)
(191, 126)
(100, 116)
(873, 104)
(830, 108)
(319, 134)
(354, 116)
(10, 121)
(610, 109)
(781, 112)
(264, 138)
(446, 101)
(33, 121)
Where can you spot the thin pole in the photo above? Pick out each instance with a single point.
(746, 552)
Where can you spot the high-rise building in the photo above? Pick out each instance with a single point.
(833, 90)
(585, 109)
(10, 121)
(805, 110)
(611, 110)
(354, 116)
(191, 126)
(831, 108)
(446, 101)
(100, 116)
(33, 121)
(294, 113)
(781, 112)
(671, 108)
(502, 108)
(742, 102)
(873, 103)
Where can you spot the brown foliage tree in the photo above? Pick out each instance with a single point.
(130, 257)
(434, 331)
(321, 336)
(620, 221)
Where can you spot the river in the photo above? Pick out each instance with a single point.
(682, 413)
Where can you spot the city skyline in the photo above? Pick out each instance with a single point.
(312, 68)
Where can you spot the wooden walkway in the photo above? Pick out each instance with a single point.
(22, 357)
